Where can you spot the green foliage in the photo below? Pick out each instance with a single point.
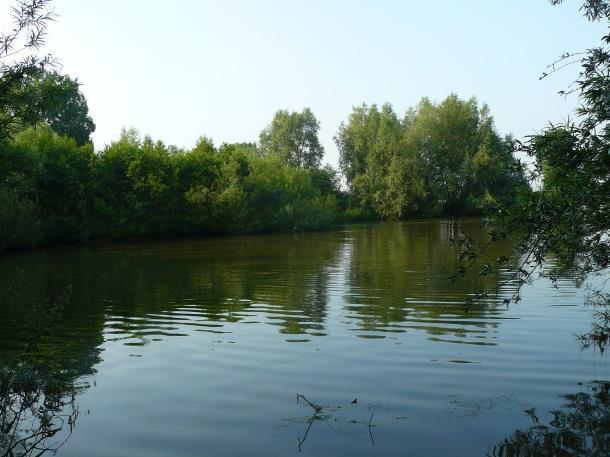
(29, 92)
(281, 198)
(56, 191)
(51, 174)
(440, 159)
(383, 174)
(35, 96)
(294, 138)
(563, 224)
(59, 175)
(568, 214)
(57, 101)
(20, 224)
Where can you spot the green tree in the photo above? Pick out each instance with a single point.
(134, 184)
(293, 137)
(56, 100)
(20, 224)
(466, 163)
(380, 170)
(440, 159)
(60, 175)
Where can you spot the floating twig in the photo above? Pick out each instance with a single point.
(315, 407)
(317, 416)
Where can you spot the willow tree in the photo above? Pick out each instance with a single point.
(20, 59)
(568, 216)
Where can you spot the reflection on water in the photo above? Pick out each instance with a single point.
(581, 426)
(184, 346)
(391, 277)
(37, 412)
(38, 407)
(398, 280)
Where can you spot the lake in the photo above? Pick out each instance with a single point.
(200, 347)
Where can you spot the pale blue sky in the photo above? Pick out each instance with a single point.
(181, 69)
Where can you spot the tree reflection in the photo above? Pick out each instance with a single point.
(398, 279)
(38, 407)
(599, 335)
(581, 427)
(126, 290)
(390, 277)
(37, 412)
(41, 328)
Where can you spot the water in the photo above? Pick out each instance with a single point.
(199, 347)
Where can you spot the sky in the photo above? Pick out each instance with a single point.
(180, 69)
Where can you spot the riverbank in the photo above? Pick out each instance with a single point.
(342, 222)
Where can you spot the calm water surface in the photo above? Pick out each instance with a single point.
(200, 347)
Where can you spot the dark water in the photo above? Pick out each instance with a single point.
(200, 347)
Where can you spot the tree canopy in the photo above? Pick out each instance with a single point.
(57, 101)
(53, 190)
(293, 136)
(439, 159)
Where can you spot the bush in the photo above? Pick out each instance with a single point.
(20, 224)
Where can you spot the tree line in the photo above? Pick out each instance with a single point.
(441, 159)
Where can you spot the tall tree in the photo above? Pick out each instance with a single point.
(293, 137)
(355, 139)
(440, 159)
(380, 170)
(57, 100)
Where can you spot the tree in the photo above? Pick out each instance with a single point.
(19, 60)
(57, 100)
(293, 137)
(567, 218)
(51, 171)
(380, 169)
(440, 159)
